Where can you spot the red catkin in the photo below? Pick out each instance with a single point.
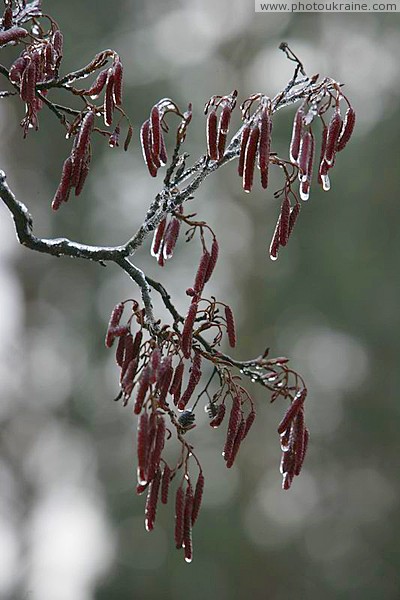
(151, 503)
(322, 154)
(334, 128)
(219, 417)
(187, 332)
(230, 326)
(142, 448)
(165, 481)
(17, 68)
(198, 495)
(249, 422)
(187, 524)
(274, 246)
(296, 135)
(201, 272)
(144, 382)
(145, 138)
(250, 159)
(194, 378)
(300, 461)
(28, 85)
(284, 222)
(304, 155)
(166, 373)
(109, 99)
(179, 514)
(223, 130)
(48, 61)
(159, 442)
(177, 381)
(119, 354)
(243, 146)
(137, 343)
(310, 164)
(265, 146)
(171, 237)
(83, 140)
(97, 86)
(294, 213)
(236, 444)
(64, 187)
(128, 353)
(155, 360)
(151, 438)
(128, 377)
(114, 321)
(58, 42)
(158, 237)
(287, 461)
(117, 89)
(233, 426)
(12, 35)
(298, 442)
(128, 138)
(347, 129)
(292, 411)
(212, 147)
(155, 131)
(83, 173)
(213, 260)
(163, 151)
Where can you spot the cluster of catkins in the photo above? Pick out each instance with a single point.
(255, 149)
(165, 238)
(165, 371)
(294, 439)
(218, 128)
(76, 166)
(152, 138)
(255, 140)
(38, 63)
(335, 137)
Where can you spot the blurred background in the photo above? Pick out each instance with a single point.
(71, 526)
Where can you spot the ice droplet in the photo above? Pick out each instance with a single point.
(304, 195)
(140, 481)
(326, 184)
(146, 524)
(188, 559)
(273, 257)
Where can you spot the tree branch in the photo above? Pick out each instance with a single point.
(64, 247)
